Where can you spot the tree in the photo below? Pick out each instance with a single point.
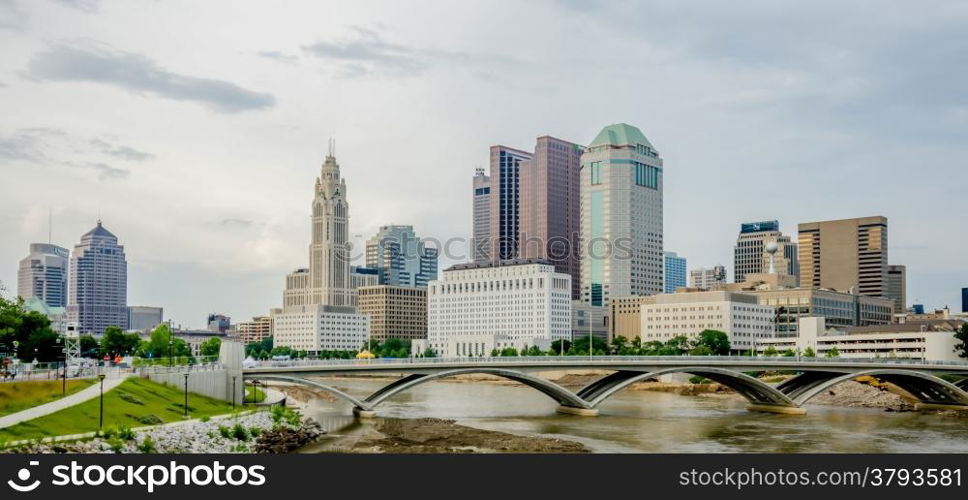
(580, 346)
(253, 349)
(770, 351)
(833, 352)
(809, 353)
(163, 344)
(429, 353)
(618, 343)
(27, 334)
(716, 341)
(211, 347)
(961, 348)
(676, 346)
(789, 353)
(701, 350)
(88, 345)
(509, 351)
(116, 342)
(559, 347)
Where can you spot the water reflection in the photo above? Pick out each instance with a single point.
(654, 422)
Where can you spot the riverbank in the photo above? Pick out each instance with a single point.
(435, 435)
(261, 431)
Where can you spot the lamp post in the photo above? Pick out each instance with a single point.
(171, 345)
(64, 375)
(590, 337)
(233, 393)
(186, 394)
(100, 424)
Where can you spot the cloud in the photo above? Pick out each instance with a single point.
(367, 53)
(82, 5)
(139, 74)
(123, 152)
(107, 172)
(48, 147)
(11, 17)
(235, 223)
(279, 56)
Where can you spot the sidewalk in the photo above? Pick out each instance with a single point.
(55, 406)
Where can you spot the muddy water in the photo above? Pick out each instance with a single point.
(653, 422)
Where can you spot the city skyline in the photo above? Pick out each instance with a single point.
(207, 190)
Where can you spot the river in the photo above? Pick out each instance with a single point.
(657, 422)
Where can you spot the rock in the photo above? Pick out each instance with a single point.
(285, 439)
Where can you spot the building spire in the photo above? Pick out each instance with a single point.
(332, 147)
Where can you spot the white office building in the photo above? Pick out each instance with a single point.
(476, 308)
(739, 315)
(321, 328)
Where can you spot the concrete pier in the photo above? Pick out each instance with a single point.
(779, 409)
(581, 412)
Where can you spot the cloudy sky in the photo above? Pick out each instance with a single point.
(195, 129)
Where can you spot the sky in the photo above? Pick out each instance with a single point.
(195, 130)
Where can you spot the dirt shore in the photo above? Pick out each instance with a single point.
(434, 435)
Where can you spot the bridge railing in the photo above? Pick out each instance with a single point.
(571, 360)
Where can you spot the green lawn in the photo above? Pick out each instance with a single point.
(134, 403)
(254, 394)
(18, 396)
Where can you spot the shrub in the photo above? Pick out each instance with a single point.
(150, 419)
(224, 431)
(240, 432)
(125, 433)
(147, 446)
(696, 379)
(205, 418)
(116, 445)
(130, 398)
(255, 431)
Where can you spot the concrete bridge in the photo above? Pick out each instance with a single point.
(813, 376)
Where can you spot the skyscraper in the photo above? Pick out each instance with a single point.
(896, 286)
(964, 300)
(845, 254)
(482, 216)
(319, 302)
(707, 278)
(550, 206)
(43, 274)
(327, 281)
(621, 216)
(98, 285)
(401, 257)
(749, 256)
(505, 202)
(674, 273)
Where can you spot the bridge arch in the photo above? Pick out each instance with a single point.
(317, 385)
(927, 388)
(554, 391)
(754, 390)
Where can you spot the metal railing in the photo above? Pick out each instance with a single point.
(604, 360)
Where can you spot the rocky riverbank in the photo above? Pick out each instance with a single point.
(434, 435)
(268, 431)
(861, 395)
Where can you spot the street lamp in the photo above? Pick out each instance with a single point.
(171, 345)
(100, 424)
(233, 392)
(186, 394)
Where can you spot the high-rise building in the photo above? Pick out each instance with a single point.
(475, 308)
(896, 286)
(505, 200)
(98, 285)
(964, 300)
(319, 302)
(219, 323)
(398, 312)
(707, 278)
(621, 216)
(674, 273)
(260, 328)
(844, 255)
(364, 276)
(482, 216)
(327, 280)
(43, 274)
(401, 257)
(145, 318)
(750, 256)
(550, 206)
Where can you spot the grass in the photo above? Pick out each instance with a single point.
(254, 394)
(134, 403)
(19, 396)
